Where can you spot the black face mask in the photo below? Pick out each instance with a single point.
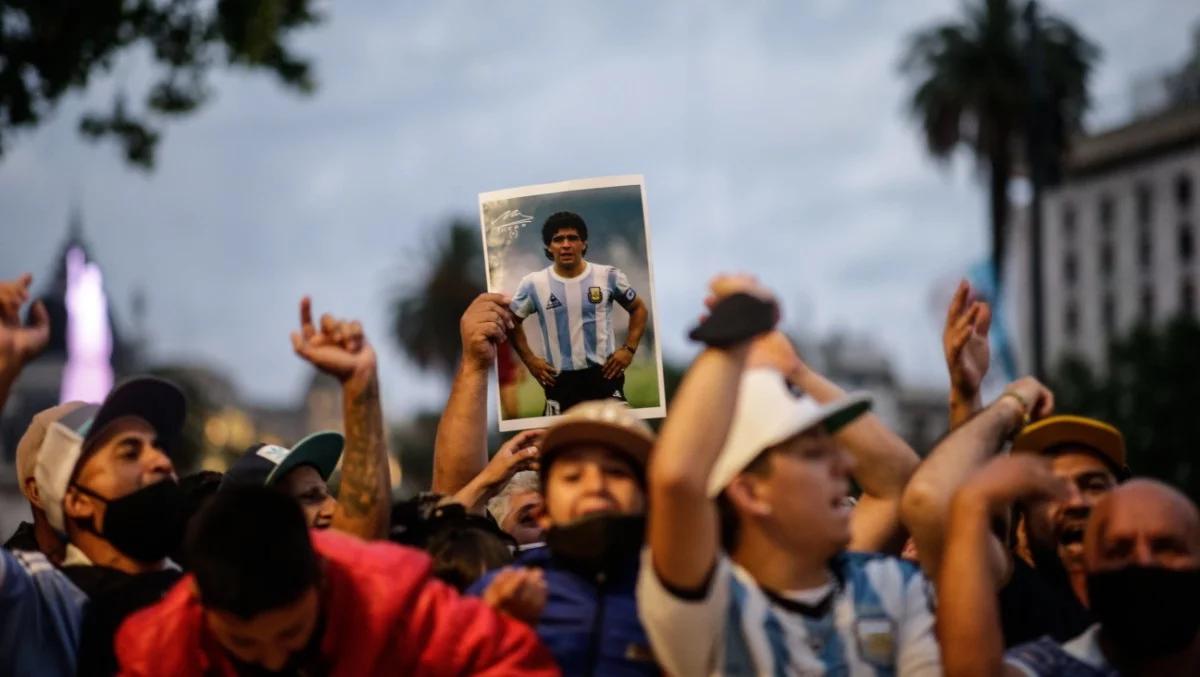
(147, 524)
(599, 543)
(1147, 611)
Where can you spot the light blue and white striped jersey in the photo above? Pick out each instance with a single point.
(41, 613)
(574, 315)
(877, 622)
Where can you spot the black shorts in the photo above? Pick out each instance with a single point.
(572, 387)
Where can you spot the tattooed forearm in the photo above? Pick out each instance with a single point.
(363, 505)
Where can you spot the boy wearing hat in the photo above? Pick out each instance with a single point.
(749, 524)
(592, 465)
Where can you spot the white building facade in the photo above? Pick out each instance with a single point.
(1121, 239)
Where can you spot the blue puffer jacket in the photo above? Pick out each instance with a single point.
(589, 624)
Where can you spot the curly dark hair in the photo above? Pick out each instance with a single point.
(559, 220)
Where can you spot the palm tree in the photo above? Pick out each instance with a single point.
(426, 310)
(972, 87)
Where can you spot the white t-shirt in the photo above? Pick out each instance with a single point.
(875, 620)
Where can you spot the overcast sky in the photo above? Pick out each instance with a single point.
(773, 138)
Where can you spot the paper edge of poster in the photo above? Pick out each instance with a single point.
(562, 187)
(515, 424)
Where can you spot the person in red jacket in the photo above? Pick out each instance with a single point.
(268, 595)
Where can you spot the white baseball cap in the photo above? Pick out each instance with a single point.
(769, 413)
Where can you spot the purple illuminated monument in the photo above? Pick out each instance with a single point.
(88, 374)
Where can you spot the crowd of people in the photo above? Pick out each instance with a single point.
(773, 526)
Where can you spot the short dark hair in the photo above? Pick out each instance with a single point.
(250, 551)
(198, 489)
(560, 220)
(461, 554)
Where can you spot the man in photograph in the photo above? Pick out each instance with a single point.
(573, 299)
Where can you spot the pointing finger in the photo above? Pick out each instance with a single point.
(306, 323)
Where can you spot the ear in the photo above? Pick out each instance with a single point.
(546, 251)
(748, 495)
(541, 516)
(78, 505)
(1022, 545)
(31, 493)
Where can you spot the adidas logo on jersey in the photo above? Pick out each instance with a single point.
(554, 303)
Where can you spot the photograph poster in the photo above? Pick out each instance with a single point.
(574, 257)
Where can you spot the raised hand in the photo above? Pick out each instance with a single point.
(20, 343)
(484, 325)
(775, 350)
(1036, 400)
(517, 454)
(1010, 478)
(338, 348)
(518, 592)
(728, 285)
(965, 342)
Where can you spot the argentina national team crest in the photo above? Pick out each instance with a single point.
(595, 295)
(876, 640)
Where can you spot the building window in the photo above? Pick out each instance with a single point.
(1071, 321)
(1187, 243)
(1106, 215)
(1070, 269)
(1145, 204)
(1108, 314)
(1183, 191)
(1068, 222)
(1145, 250)
(1106, 260)
(1147, 304)
(1187, 297)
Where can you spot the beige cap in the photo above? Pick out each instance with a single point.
(35, 434)
(606, 422)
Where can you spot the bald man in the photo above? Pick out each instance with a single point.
(1141, 551)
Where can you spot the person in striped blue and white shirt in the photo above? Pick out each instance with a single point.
(573, 300)
(757, 563)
